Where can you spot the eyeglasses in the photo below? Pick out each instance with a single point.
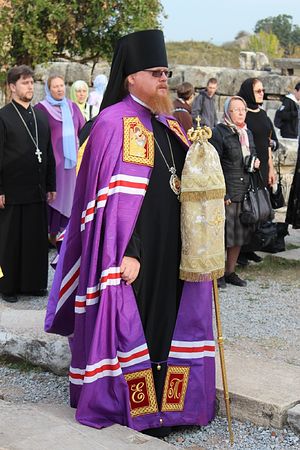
(159, 73)
(238, 110)
(259, 91)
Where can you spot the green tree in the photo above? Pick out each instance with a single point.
(37, 31)
(282, 26)
(267, 43)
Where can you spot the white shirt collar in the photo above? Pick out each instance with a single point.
(139, 101)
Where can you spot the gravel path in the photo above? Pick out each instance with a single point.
(35, 386)
(261, 319)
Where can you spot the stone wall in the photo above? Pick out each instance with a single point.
(229, 82)
(70, 71)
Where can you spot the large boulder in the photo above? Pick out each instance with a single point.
(247, 60)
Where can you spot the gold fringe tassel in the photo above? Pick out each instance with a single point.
(204, 195)
(196, 276)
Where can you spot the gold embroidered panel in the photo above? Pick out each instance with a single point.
(202, 214)
(138, 146)
(174, 126)
(141, 392)
(175, 388)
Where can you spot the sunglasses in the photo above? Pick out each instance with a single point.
(259, 91)
(159, 73)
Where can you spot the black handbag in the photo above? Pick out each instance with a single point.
(263, 236)
(256, 205)
(277, 198)
(277, 244)
(268, 237)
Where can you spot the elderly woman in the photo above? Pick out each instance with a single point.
(265, 141)
(235, 146)
(65, 121)
(79, 94)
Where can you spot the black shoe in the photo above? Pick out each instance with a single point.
(242, 260)
(10, 298)
(221, 283)
(37, 293)
(253, 257)
(160, 432)
(234, 279)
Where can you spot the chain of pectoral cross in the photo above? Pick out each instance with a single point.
(38, 152)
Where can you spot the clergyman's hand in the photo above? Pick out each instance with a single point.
(129, 269)
(51, 196)
(2, 201)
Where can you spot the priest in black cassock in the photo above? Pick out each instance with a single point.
(27, 182)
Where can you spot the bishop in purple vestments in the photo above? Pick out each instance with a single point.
(141, 339)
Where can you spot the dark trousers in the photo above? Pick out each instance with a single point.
(23, 248)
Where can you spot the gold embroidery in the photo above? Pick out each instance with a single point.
(175, 388)
(137, 392)
(174, 126)
(141, 392)
(138, 146)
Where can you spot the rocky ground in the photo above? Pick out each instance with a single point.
(261, 319)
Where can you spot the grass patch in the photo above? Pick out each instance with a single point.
(291, 246)
(197, 53)
(19, 364)
(278, 269)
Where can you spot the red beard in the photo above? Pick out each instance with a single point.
(160, 104)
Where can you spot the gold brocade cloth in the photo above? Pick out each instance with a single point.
(202, 214)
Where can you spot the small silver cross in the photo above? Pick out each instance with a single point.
(38, 153)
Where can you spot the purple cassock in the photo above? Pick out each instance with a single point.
(65, 178)
(111, 379)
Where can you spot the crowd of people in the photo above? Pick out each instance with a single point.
(142, 353)
(255, 132)
(38, 158)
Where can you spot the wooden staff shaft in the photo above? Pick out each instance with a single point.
(222, 358)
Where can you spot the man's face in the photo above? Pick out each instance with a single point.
(146, 86)
(297, 95)
(150, 86)
(211, 89)
(22, 90)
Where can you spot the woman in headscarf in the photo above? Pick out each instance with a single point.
(235, 146)
(79, 94)
(96, 96)
(265, 141)
(65, 121)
